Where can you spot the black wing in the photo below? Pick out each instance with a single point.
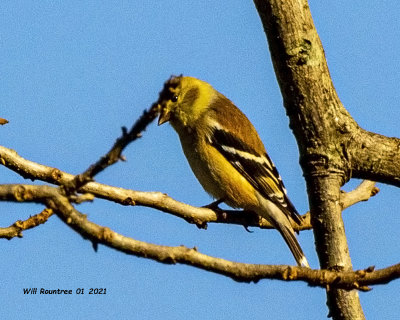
(258, 169)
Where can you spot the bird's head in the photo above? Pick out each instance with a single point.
(183, 100)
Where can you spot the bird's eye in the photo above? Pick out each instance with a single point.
(174, 98)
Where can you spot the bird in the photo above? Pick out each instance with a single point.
(227, 155)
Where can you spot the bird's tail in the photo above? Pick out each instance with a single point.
(294, 246)
(280, 221)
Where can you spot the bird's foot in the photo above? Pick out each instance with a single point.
(214, 205)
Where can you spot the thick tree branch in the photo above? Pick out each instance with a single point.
(323, 129)
(53, 198)
(375, 157)
(157, 200)
(330, 239)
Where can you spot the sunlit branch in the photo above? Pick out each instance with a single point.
(242, 272)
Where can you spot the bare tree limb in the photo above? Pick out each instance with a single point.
(242, 272)
(157, 200)
(15, 230)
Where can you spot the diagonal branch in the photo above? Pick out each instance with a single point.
(15, 230)
(242, 272)
(115, 152)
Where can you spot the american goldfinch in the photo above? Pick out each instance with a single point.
(226, 154)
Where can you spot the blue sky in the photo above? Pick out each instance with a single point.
(74, 72)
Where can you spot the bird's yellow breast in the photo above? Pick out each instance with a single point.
(216, 175)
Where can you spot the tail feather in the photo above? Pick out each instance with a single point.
(294, 246)
(280, 221)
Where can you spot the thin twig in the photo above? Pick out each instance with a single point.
(115, 153)
(15, 230)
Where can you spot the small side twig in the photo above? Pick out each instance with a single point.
(365, 190)
(15, 230)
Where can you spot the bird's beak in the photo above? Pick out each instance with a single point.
(165, 115)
